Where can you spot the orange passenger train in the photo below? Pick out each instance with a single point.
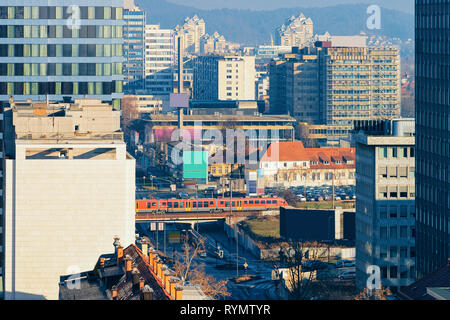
(208, 205)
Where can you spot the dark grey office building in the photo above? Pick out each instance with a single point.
(432, 134)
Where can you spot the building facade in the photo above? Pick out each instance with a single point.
(69, 189)
(385, 211)
(432, 127)
(191, 32)
(219, 77)
(159, 57)
(290, 164)
(75, 50)
(335, 86)
(296, 32)
(134, 48)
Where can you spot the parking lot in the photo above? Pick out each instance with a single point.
(318, 193)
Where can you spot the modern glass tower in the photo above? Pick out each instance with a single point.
(134, 48)
(61, 49)
(432, 134)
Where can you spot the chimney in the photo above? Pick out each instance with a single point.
(114, 292)
(141, 283)
(178, 292)
(163, 274)
(159, 264)
(144, 246)
(119, 254)
(151, 257)
(167, 276)
(135, 276)
(173, 283)
(147, 293)
(128, 265)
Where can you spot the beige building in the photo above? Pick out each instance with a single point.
(287, 164)
(219, 77)
(69, 189)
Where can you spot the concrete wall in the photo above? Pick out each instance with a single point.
(61, 215)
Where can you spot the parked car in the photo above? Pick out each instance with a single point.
(183, 195)
(345, 264)
(348, 275)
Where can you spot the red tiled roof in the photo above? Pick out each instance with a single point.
(418, 290)
(295, 151)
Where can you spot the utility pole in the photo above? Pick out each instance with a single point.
(236, 228)
(332, 181)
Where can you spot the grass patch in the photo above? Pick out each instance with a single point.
(262, 229)
(325, 205)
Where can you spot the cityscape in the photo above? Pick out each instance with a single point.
(191, 150)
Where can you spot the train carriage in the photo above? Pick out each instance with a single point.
(207, 205)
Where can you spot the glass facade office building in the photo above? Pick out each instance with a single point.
(73, 50)
(432, 134)
(134, 50)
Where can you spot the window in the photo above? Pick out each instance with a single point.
(393, 212)
(403, 172)
(393, 232)
(403, 212)
(403, 232)
(393, 272)
(382, 191)
(383, 232)
(393, 192)
(392, 172)
(383, 172)
(403, 252)
(403, 191)
(383, 212)
(383, 252)
(393, 252)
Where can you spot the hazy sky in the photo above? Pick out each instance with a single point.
(404, 5)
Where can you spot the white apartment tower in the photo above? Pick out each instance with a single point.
(70, 189)
(224, 78)
(296, 32)
(159, 60)
(192, 31)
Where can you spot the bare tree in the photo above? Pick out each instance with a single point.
(184, 261)
(187, 270)
(380, 294)
(300, 280)
(216, 289)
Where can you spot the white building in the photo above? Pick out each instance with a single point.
(296, 32)
(385, 203)
(224, 78)
(191, 31)
(159, 60)
(69, 189)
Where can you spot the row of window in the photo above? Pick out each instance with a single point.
(395, 274)
(395, 192)
(69, 88)
(46, 31)
(395, 252)
(396, 152)
(394, 212)
(397, 232)
(73, 12)
(60, 69)
(61, 50)
(397, 172)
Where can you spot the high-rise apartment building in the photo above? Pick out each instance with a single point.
(57, 50)
(335, 86)
(433, 142)
(385, 211)
(191, 31)
(296, 32)
(224, 78)
(133, 48)
(159, 60)
(69, 189)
